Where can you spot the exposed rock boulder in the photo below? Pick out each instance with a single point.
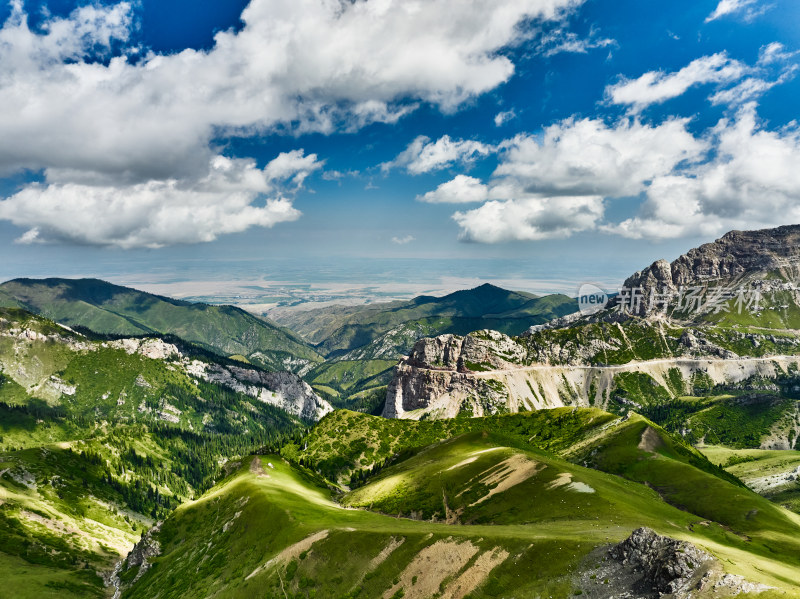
(666, 565)
(648, 565)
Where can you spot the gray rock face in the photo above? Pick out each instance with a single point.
(441, 366)
(666, 565)
(285, 390)
(735, 256)
(647, 565)
(139, 557)
(488, 373)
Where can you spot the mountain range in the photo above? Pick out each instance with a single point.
(105, 308)
(362, 344)
(155, 448)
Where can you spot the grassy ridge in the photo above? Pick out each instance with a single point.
(111, 309)
(344, 443)
(292, 539)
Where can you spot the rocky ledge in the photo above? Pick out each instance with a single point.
(647, 565)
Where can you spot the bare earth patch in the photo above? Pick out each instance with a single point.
(562, 480)
(650, 440)
(473, 576)
(507, 474)
(422, 577)
(291, 552)
(376, 561)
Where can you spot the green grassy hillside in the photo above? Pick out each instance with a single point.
(345, 443)
(96, 442)
(486, 514)
(463, 311)
(775, 474)
(111, 309)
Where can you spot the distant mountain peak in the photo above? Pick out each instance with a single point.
(735, 257)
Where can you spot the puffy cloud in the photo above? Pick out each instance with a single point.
(543, 183)
(734, 175)
(160, 212)
(503, 117)
(308, 64)
(587, 156)
(753, 181)
(134, 122)
(749, 9)
(292, 166)
(423, 156)
(460, 190)
(530, 219)
(774, 52)
(655, 87)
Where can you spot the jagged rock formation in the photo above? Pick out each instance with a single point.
(487, 373)
(140, 558)
(284, 390)
(281, 389)
(737, 257)
(647, 565)
(575, 360)
(444, 365)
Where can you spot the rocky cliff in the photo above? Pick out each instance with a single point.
(748, 258)
(489, 373)
(284, 390)
(50, 343)
(589, 360)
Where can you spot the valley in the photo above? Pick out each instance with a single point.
(485, 443)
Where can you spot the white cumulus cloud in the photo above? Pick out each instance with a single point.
(230, 198)
(423, 155)
(553, 184)
(655, 87)
(139, 122)
(460, 190)
(588, 156)
(753, 181)
(530, 219)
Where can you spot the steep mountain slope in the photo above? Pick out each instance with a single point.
(529, 523)
(721, 368)
(129, 379)
(111, 309)
(340, 329)
(100, 438)
(764, 263)
(775, 474)
(363, 342)
(632, 365)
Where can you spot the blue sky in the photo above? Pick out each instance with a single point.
(535, 140)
